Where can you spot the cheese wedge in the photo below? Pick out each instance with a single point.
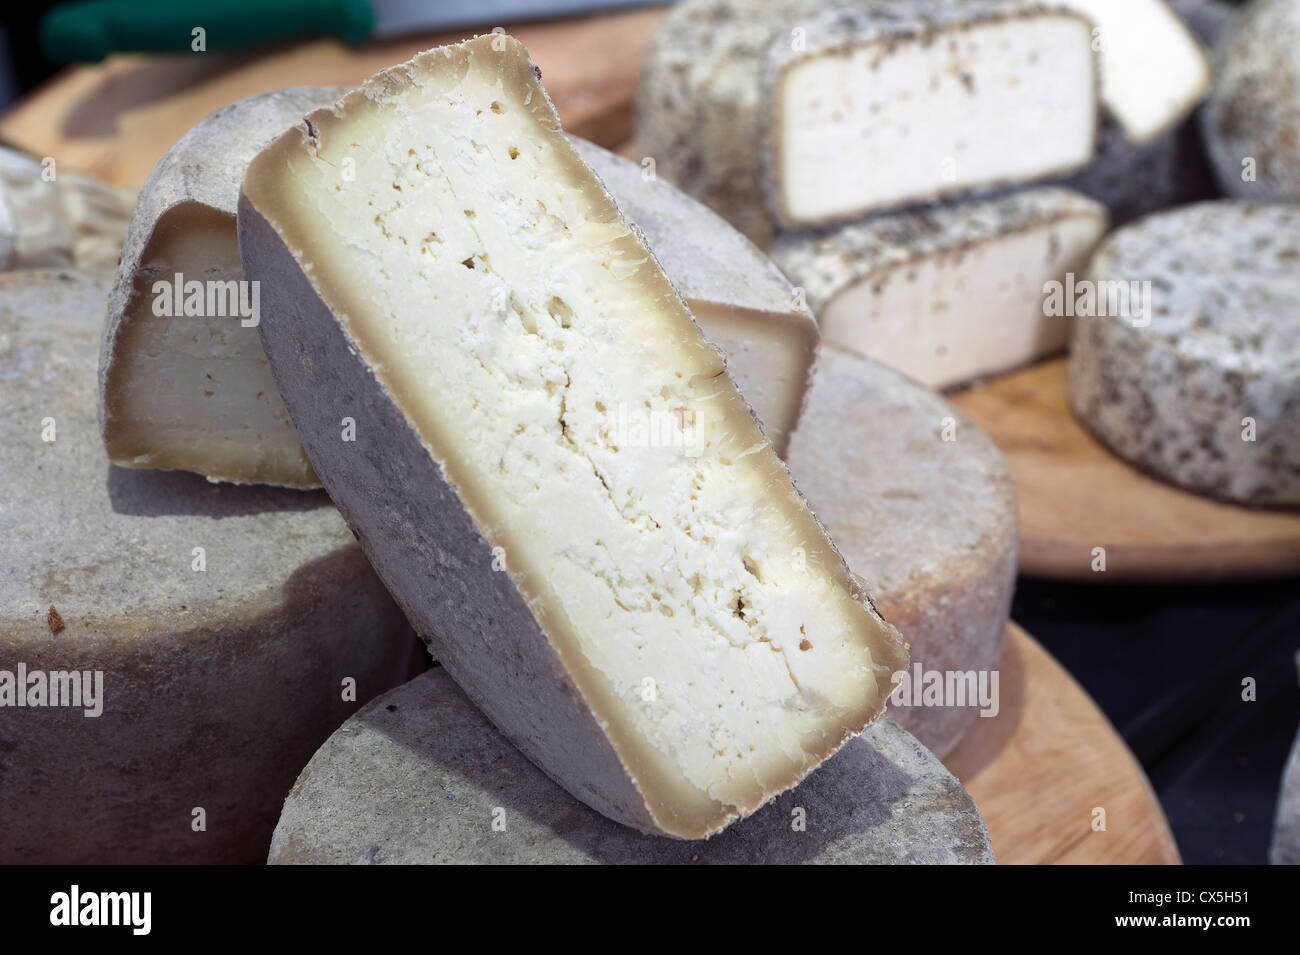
(743, 303)
(543, 456)
(951, 293)
(802, 113)
(185, 386)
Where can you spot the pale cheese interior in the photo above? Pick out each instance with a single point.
(900, 120)
(515, 318)
(949, 317)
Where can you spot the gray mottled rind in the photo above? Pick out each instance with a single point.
(1223, 344)
(204, 167)
(419, 775)
(1254, 107)
(219, 684)
(1206, 18)
(1285, 849)
(930, 525)
(827, 262)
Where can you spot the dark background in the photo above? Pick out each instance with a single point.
(1165, 663)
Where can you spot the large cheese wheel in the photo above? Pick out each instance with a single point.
(922, 506)
(421, 776)
(225, 622)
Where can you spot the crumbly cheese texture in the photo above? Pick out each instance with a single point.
(743, 303)
(949, 293)
(192, 391)
(1203, 389)
(555, 377)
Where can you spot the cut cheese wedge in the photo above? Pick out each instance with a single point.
(183, 382)
(743, 303)
(543, 456)
(950, 293)
(802, 113)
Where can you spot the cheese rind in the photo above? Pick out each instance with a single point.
(949, 293)
(193, 392)
(220, 618)
(1206, 395)
(765, 112)
(420, 775)
(640, 635)
(1252, 119)
(743, 303)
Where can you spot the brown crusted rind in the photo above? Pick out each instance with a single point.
(218, 684)
(931, 525)
(424, 543)
(204, 168)
(1223, 345)
(837, 31)
(826, 262)
(706, 258)
(1253, 112)
(420, 777)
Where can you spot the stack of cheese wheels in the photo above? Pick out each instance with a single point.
(420, 776)
(171, 651)
(770, 113)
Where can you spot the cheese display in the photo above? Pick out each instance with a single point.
(741, 300)
(923, 508)
(51, 218)
(419, 776)
(183, 382)
(543, 456)
(770, 112)
(950, 293)
(1252, 119)
(1189, 366)
(171, 651)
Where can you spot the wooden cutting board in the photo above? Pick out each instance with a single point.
(1041, 768)
(115, 120)
(1075, 495)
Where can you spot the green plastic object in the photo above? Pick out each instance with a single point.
(88, 32)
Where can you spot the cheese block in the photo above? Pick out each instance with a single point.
(419, 776)
(1198, 380)
(789, 102)
(51, 218)
(928, 523)
(950, 293)
(1252, 119)
(743, 303)
(183, 382)
(1153, 69)
(550, 469)
(213, 628)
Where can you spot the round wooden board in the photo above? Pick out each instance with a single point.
(1050, 758)
(1075, 495)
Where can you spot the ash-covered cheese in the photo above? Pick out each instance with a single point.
(743, 303)
(1198, 379)
(183, 381)
(421, 777)
(948, 293)
(651, 613)
(216, 627)
(802, 112)
(1252, 118)
(52, 218)
(923, 508)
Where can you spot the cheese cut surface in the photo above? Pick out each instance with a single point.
(741, 300)
(1198, 380)
(192, 391)
(1153, 69)
(667, 632)
(220, 620)
(854, 109)
(949, 293)
(419, 776)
